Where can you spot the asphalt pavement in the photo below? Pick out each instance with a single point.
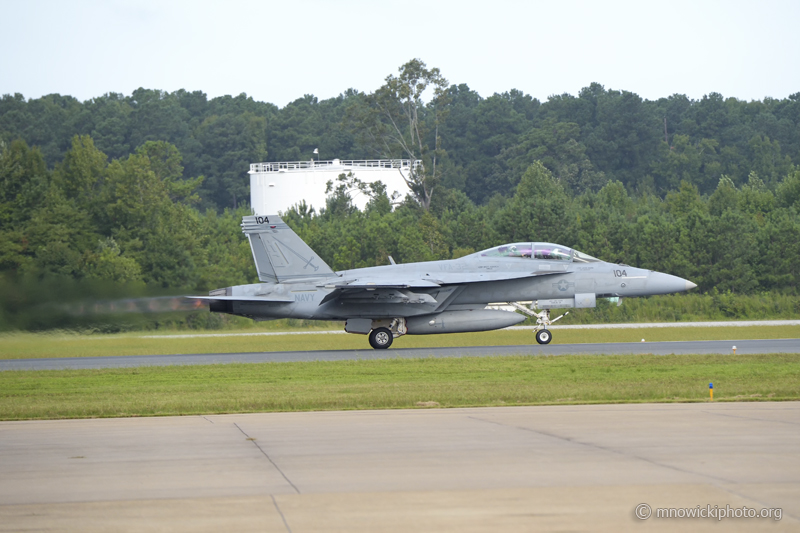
(657, 348)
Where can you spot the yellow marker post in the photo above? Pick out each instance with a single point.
(711, 391)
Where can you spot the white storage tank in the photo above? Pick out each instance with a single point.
(275, 187)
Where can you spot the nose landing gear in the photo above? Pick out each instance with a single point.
(543, 335)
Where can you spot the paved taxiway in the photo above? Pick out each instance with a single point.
(629, 325)
(563, 468)
(658, 348)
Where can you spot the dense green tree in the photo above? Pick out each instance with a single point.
(538, 209)
(766, 159)
(395, 122)
(110, 129)
(789, 191)
(778, 238)
(556, 146)
(157, 116)
(24, 181)
(725, 197)
(734, 251)
(160, 234)
(151, 187)
(484, 145)
(306, 124)
(229, 144)
(107, 263)
(695, 163)
(165, 162)
(226, 259)
(755, 199)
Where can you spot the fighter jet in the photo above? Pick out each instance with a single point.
(479, 292)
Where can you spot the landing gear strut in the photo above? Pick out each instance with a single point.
(543, 335)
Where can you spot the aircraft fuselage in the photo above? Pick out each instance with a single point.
(604, 280)
(465, 294)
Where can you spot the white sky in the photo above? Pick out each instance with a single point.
(277, 51)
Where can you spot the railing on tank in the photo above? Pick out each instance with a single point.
(321, 165)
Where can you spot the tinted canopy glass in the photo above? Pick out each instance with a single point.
(580, 257)
(531, 250)
(551, 252)
(519, 249)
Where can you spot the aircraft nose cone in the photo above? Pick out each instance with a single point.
(660, 283)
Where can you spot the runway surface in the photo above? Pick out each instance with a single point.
(641, 325)
(658, 348)
(562, 468)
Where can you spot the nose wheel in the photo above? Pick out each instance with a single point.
(543, 336)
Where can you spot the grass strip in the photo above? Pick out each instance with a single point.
(29, 345)
(395, 383)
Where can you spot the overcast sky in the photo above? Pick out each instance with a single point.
(279, 51)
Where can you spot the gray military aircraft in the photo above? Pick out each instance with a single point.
(472, 293)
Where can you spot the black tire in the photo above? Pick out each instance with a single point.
(380, 338)
(543, 336)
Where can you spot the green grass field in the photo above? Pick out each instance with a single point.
(32, 345)
(395, 383)
(384, 384)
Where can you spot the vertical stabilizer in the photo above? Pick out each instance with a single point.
(280, 255)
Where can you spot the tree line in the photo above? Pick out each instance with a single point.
(481, 145)
(150, 189)
(136, 220)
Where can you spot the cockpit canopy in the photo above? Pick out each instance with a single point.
(538, 250)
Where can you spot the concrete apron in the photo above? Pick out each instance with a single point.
(483, 469)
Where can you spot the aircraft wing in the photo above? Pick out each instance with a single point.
(388, 291)
(458, 278)
(437, 279)
(384, 290)
(382, 283)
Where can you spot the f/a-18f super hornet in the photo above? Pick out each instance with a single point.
(471, 293)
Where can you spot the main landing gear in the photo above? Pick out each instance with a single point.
(380, 331)
(380, 338)
(543, 335)
(384, 331)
